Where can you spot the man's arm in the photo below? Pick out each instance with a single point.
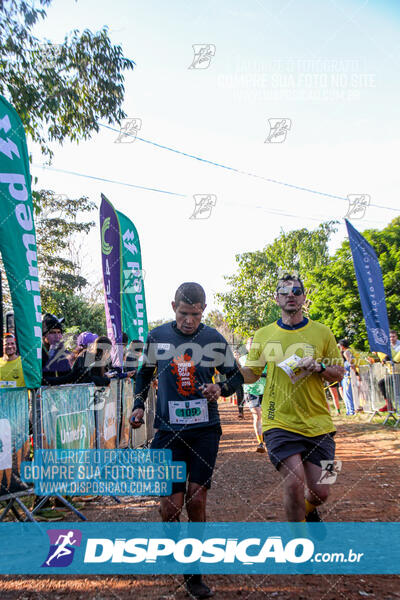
(255, 358)
(331, 374)
(248, 375)
(142, 386)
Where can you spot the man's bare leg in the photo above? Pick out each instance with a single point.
(335, 397)
(292, 472)
(196, 500)
(316, 493)
(171, 506)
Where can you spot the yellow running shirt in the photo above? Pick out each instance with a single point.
(11, 374)
(300, 407)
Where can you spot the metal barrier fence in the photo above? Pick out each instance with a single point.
(83, 416)
(64, 417)
(377, 384)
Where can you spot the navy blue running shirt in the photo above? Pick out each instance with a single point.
(184, 363)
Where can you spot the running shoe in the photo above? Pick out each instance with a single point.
(313, 517)
(320, 531)
(261, 448)
(196, 588)
(47, 514)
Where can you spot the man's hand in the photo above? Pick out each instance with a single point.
(331, 374)
(136, 419)
(310, 365)
(211, 391)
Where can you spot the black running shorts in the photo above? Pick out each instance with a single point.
(196, 447)
(282, 443)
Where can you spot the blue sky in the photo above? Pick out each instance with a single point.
(331, 67)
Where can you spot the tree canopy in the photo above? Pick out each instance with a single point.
(330, 281)
(56, 224)
(64, 290)
(59, 227)
(250, 303)
(60, 91)
(216, 319)
(335, 299)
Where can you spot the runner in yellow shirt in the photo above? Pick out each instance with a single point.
(11, 374)
(298, 429)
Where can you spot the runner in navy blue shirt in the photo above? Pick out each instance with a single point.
(186, 353)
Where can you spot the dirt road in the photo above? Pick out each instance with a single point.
(247, 488)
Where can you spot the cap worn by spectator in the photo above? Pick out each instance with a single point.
(86, 338)
(51, 322)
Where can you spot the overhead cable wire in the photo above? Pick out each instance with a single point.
(239, 171)
(271, 211)
(123, 183)
(140, 187)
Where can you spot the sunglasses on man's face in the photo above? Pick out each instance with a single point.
(285, 291)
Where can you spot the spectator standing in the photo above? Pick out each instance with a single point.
(11, 373)
(93, 364)
(349, 364)
(55, 357)
(395, 347)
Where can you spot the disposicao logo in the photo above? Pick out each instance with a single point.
(62, 547)
(190, 550)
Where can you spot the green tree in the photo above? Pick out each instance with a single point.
(158, 322)
(64, 290)
(336, 301)
(59, 91)
(57, 223)
(216, 319)
(250, 303)
(78, 313)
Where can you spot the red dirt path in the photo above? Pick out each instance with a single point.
(247, 488)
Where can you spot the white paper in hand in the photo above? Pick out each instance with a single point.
(291, 368)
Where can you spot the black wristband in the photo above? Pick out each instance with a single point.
(229, 388)
(139, 403)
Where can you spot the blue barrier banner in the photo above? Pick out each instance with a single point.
(239, 548)
(14, 438)
(104, 472)
(68, 417)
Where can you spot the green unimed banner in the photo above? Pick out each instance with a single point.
(68, 416)
(18, 242)
(134, 317)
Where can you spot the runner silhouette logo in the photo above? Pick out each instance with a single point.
(62, 547)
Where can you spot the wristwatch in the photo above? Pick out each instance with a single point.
(323, 368)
